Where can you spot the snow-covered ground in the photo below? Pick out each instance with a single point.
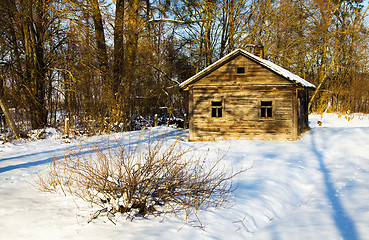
(313, 188)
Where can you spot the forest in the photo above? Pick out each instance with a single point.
(112, 65)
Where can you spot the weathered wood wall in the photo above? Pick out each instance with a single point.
(255, 74)
(303, 121)
(241, 95)
(241, 113)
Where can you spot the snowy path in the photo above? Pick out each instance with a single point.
(314, 188)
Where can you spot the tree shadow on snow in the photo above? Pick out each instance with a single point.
(138, 137)
(24, 165)
(344, 223)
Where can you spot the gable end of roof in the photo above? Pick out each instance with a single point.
(271, 66)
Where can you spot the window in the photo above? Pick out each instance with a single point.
(216, 109)
(266, 109)
(240, 69)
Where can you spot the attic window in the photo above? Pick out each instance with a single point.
(240, 69)
(266, 109)
(216, 109)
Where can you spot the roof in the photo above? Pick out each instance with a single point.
(271, 66)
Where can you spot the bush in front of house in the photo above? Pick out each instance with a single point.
(151, 177)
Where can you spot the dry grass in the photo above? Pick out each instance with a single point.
(148, 178)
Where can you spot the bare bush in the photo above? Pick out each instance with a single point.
(146, 178)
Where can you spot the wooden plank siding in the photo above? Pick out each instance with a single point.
(241, 113)
(254, 74)
(241, 95)
(303, 120)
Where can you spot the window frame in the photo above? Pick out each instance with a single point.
(217, 107)
(241, 67)
(299, 107)
(266, 107)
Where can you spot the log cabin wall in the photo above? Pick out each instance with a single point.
(254, 74)
(241, 113)
(303, 101)
(244, 97)
(242, 94)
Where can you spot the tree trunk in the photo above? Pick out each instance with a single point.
(6, 112)
(9, 119)
(102, 55)
(118, 46)
(231, 25)
(131, 57)
(207, 38)
(35, 72)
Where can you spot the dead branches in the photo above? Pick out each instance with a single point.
(148, 178)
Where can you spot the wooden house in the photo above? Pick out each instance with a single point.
(243, 96)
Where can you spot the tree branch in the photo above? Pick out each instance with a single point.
(175, 21)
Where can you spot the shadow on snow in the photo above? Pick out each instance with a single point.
(139, 137)
(344, 223)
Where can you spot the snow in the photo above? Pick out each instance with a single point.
(313, 188)
(278, 69)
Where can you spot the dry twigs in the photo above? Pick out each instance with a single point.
(148, 178)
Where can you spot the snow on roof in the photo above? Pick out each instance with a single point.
(271, 66)
(278, 69)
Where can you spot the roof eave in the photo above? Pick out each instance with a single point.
(208, 69)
